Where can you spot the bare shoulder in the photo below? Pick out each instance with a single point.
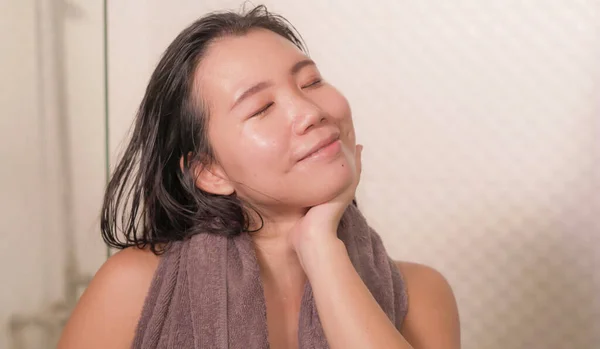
(420, 275)
(107, 313)
(432, 320)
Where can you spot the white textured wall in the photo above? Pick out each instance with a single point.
(33, 217)
(19, 179)
(481, 125)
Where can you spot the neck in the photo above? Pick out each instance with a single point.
(278, 261)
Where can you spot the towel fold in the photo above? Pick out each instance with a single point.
(207, 292)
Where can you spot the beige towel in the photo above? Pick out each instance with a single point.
(207, 292)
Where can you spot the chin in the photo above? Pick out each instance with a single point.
(326, 185)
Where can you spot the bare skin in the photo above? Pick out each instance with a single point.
(109, 310)
(260, 142)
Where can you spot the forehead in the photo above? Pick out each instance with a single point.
(233, 62)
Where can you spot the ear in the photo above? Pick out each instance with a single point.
(212, 179)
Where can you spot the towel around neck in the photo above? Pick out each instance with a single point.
(207, 292)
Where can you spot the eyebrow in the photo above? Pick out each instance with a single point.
(264, 84)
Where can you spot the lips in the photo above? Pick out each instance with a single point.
(322, 143)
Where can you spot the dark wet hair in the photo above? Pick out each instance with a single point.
(151, 200)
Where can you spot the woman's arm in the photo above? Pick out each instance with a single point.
(352, 318)
(432, 320)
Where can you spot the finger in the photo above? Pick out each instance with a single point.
(358, 154)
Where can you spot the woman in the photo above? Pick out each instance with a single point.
(239, 135)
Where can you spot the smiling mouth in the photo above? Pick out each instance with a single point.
(329, 149)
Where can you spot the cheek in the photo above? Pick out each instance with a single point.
(259, 150)
(259, 141)
(263, 139)
(339, 109)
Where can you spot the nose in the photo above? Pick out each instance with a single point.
(306, 114)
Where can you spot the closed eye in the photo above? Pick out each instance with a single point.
(313, 84)
(262, 110)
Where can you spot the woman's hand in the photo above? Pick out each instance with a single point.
(350, 316)
(320, 223)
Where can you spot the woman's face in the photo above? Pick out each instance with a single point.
(269, 109)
